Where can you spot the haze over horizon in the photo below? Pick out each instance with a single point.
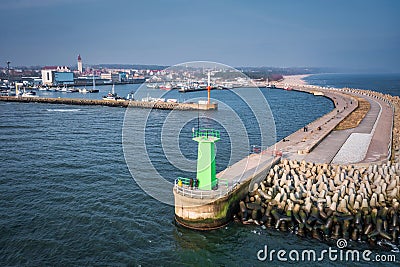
(356, 35)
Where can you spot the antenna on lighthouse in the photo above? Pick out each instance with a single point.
(208, 88)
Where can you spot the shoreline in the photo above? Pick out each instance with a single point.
(296, 80)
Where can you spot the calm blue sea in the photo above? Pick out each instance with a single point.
(68, 199)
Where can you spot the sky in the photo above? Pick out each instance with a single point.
(353, 34)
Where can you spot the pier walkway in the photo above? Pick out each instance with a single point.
(369, 142)
(328, 150)
(381, 143)
(303, 141)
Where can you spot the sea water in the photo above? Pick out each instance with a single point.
(68, 198)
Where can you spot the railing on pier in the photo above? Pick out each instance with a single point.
(202, 132)
(182, 187)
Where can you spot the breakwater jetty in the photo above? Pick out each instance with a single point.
(113, 103)
(330, 201)
(308, 184)
(327, 201)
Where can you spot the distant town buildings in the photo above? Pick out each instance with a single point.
(37, 77)
(110, 76)
(57, 75)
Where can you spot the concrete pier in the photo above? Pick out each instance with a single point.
(369, 142)
(113, 103)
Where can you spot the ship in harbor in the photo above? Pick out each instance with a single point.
(197, 86)
(152, 85)
(166, 86)
(113, 96)
(93, 90)
(29, 94)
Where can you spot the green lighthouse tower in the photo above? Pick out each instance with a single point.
(206, 138)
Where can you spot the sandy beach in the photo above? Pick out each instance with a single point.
(295, 79)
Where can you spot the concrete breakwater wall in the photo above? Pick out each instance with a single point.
(113, 103)
(326, 201)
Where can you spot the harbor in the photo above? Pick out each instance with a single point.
(253, 190)
(200, 133)
(61, 159)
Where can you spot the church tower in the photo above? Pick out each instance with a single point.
(80, 69)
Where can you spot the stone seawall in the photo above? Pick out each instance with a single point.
(327, 201)
(112, 103)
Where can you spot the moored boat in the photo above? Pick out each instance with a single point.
(167, 86)
(72, 90)
(29, 94)
(113, 96)
(93, 90)
(152, 85)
